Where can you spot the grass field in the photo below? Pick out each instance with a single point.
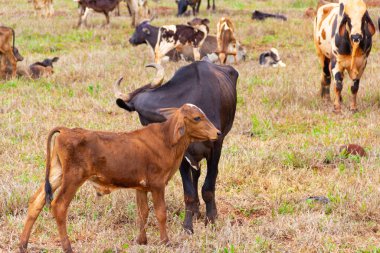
(283, 148)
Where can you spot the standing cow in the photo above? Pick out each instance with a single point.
(139, 10)
(195, 4)
(226, 37)
(177, 36)
(101, 6)
(343, 39)
(43, 8)
(8, 51)
(212, 88)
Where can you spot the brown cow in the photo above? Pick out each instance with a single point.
(43, 8)
(35, 70)
(144, 159)
(225, 37)
(8, 51)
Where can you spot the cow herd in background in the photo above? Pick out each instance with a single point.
(204, 92)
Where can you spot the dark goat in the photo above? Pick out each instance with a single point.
(259, 15)
(103, 6)
(44, 68)
(212, 88)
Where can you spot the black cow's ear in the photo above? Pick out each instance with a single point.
(342, 26)
(205, 21)
(371, 25)
(146, 30)
(55, 59)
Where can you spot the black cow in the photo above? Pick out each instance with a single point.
(259, 15)
(195, 4)
(102, 6)
(213, 89)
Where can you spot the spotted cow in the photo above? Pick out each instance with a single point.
(176, 36)
(343, 39)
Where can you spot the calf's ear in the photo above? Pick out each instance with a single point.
(167, 112)
(371, 26)
(179, 130)
(55, 59)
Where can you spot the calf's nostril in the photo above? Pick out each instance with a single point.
(219, 133)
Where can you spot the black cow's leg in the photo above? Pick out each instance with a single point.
(107, 17)
(326, 79)
(190, 197)
(196, 173)
(354, 90)
(208, 189)
(194, 10)
(208, 4)
(213, 5)
(81, 13)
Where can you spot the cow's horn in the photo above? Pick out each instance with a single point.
(159, 78)
(117, 92)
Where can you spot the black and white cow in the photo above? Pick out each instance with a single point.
(343, 39)
(271, 58)
(176, 36)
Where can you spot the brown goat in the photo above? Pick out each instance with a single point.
(225, 37)
(144, 159)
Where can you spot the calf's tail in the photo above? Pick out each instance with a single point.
(48, 189)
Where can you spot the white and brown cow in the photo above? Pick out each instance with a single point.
(343, 39)
(225, 37)
(176, 36)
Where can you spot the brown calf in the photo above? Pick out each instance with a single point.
(144, 159)
(225, 37)
(8, 51)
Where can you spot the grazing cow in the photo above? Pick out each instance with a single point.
(176, 36)
(145, 33)
(8, 51)
(271, 58)
(103, 6)
(259, 15)
(212, 88)
(195, 4)
(144, 160)
(139, 10)
(343, 40)
(43, 8)
(225, 37)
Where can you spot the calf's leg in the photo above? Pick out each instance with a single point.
(197, 55)
(326, 79)
(158, 196)
(37, 202)
(60, 205)
(142, 212)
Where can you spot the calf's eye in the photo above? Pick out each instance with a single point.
(197, 119)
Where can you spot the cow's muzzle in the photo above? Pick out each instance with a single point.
(356, 38)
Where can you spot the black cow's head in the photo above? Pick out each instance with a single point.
(355, 21)
(17, 54)
(141, 33)
(182, 6)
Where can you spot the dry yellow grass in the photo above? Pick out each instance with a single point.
(265, 176)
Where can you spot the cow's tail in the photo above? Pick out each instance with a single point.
(48, 189)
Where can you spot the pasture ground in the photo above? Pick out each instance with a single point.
(282, 149)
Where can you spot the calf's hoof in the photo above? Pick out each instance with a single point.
(354, 109)
(188, 228)
(337, 110)
(142, 240)
(165, 242)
